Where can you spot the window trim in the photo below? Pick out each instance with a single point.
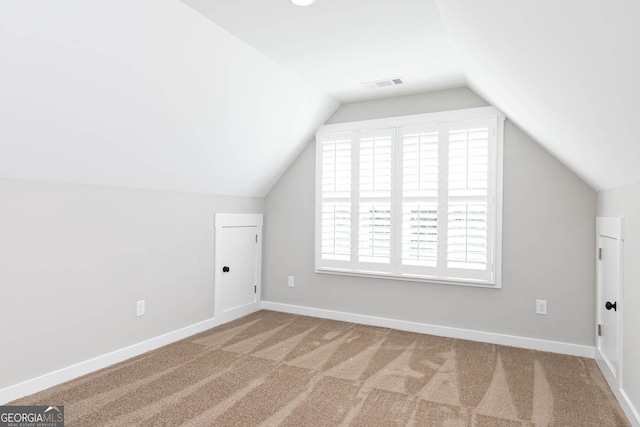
(436, 119)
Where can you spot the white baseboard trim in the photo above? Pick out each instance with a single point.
(622, 397)
(238, 312)
(628, 408)
(74, 371)
(443, 331)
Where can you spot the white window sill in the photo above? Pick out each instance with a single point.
(409, 278)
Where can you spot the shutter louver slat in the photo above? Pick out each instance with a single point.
(468, 184)
(374, 230)
(375, 233)
(420, 235)
(420, 198)
(335, 223)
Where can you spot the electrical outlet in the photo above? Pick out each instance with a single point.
(541, 306)
(140, 308)
(291, 282)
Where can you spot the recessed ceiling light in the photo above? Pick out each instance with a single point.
(302, 2)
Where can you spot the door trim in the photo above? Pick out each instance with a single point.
(611, 227)
(235, 220)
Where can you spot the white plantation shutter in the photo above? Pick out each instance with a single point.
(419, 169)
(416, 197)
(374, 205)
(335, 185)
(467, 213)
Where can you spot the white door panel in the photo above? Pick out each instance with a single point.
(239, 256)
(608, 294)
(610, 239)
(237, 272)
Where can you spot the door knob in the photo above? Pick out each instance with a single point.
(225, 269)
(609, 306)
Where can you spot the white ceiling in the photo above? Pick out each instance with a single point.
(567, 72)
(338, 44)
(153, 94)
(147, 94)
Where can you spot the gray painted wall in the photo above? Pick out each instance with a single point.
(74, 259)
(625, 202)
(548, 240)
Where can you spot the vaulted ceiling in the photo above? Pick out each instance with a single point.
(338, 44)
(147, 94)
(219, 96)
(567, 72)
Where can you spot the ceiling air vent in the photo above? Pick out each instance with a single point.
(383, 83)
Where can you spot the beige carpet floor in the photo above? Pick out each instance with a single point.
(277, 369)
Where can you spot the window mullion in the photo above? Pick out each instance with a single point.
(355, 197)
(396, 202)
(491, 198)
(443, 194)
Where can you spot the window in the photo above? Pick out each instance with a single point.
(414, 197)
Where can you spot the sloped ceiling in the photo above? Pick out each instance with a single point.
(564, 71)
(338, 44)
(220, 99)
(567, 72)
(145, 93)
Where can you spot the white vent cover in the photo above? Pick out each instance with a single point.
(393, 81)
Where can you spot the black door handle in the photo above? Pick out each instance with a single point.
(225, 269)
(609, 306)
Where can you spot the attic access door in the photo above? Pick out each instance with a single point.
(609, 269)
(237, 265)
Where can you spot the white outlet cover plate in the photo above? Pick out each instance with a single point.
(140, 308)
(541, 306)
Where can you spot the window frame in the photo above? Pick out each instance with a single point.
(439, 120)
